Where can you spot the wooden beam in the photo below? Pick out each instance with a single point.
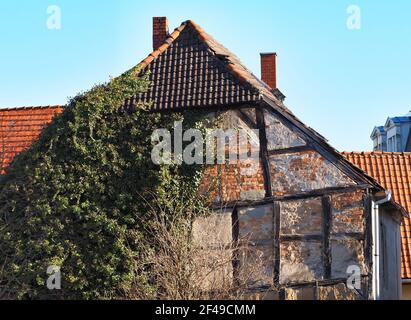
(326, 204)
(300, 285)
(309, 237)
(246, 119)
(264, 151)
(277, 249)
(297, 196)
(281, 294)
(305, 237)
(320, 283)
(290, 150)
(236, 253)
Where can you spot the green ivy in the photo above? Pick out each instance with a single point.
(78, 197)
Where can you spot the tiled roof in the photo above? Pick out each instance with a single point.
(19, 127)
(191, 69)
(392, 171)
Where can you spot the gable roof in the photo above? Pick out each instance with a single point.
(20, 127)
(378, 131)
(191, 69)
(396, 120)
(393, 171)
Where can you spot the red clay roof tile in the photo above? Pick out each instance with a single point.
(198, 67)
(20, 127)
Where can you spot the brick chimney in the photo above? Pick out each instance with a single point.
(269, 73)
(269, 69)
(160, 31)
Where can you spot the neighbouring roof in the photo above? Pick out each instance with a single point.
(380, 130)
(20, 127)
(397, 120)
(393, 172)
(400, 119)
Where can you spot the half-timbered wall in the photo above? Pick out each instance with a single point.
(306, 219)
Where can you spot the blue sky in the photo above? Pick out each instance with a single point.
(339, 81)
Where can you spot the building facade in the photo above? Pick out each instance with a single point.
(313, 218)
(394, 136)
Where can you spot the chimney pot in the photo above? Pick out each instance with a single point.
(269, 69)
(160, 31)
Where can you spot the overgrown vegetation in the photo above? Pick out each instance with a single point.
(80, 198)
(192, 256)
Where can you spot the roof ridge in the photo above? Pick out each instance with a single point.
(31, 107)
(375, 153)
(234, 65)
(167, 43)
(245, 78)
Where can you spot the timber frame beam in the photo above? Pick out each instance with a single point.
(298, 196)
(264, 152)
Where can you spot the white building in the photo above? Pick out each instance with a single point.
(394, 136)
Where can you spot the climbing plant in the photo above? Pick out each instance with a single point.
(79, 197)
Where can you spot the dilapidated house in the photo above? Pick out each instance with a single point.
(310, 214)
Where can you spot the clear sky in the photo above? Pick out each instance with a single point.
(341, 82)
